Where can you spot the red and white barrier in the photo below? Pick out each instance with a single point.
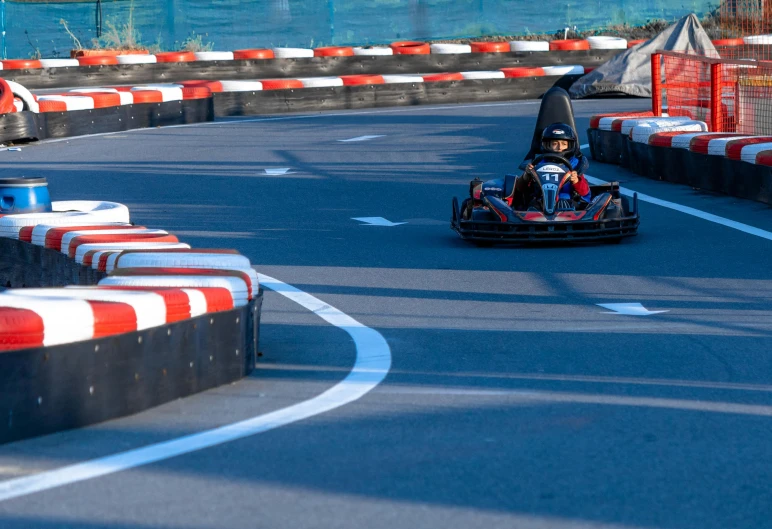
(158, 280)
(69, 320)
(66, 213)
(195, 258)
(51, 236)
(85, 252)
(238, 283)
(169, 92)
(641, 133)
(70, 102)
(750, 153)
(71, 239)
(150, 308)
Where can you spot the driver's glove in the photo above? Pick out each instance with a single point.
(527, 174)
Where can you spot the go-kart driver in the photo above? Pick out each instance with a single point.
(560, 139)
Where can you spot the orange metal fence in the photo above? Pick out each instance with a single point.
(754, 99)
(729, 95)
(745, 28)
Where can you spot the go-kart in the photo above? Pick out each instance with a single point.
(507, 211)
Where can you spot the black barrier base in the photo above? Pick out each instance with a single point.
(20, 127)
(657, 163)
(624, 153)
(49, 389)
(592, 139)
(677, 169)
(26, 265)
(305, 67)
(746, 180)
(638, 158)
(384, 95)
(609, 146)
(126, 117)
(705, 171)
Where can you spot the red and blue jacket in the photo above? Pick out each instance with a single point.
(579, 164)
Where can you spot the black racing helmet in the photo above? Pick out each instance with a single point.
(559, 131)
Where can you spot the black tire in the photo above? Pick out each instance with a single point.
(615, 240)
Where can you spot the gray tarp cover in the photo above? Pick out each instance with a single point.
(630, 72)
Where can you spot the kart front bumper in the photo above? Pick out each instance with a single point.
(494, 231)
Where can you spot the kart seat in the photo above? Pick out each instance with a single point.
(555, 108)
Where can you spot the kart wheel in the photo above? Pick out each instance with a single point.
(615, 240)
(483, 244)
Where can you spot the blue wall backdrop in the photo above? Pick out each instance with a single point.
(32, 26)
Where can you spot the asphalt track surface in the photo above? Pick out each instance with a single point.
(513, 400)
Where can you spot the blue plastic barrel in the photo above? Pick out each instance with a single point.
(24, 195)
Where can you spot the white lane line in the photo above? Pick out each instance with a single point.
(362, 138)
(745, 228)
(373, 361)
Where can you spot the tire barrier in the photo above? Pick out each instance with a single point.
(410, 48)
(21, 64)
(59, 63)
(65, 213)
(29, 102)
(529, 45)
(569, 44)
(680, 150)
(136, 59)
(450, 48)
(106, 57)
(373, 51)
(606, 43)
(116, 108)
(165, 322)
(6, 98)
(253, 54)
(334, 51)
(214, 55)
(292, 53)
(257, 64)
(175, 56)
(490, 47)
(97, 60)
(402, 90)
(89, 113)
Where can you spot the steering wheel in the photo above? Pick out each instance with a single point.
(553, 157)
